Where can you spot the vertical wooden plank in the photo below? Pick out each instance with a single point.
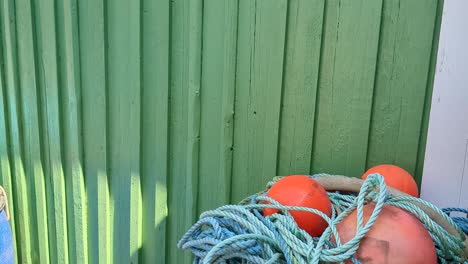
(445, 178)
(94, 109)
(261, 33)
(70, 102)
(154, 141)
(20, 183)
(300, 80)
(5, 169)
(217, 110)
(124, 127)
(30, 131)
(403, 64)
(49, 92)
(429, 92)
(186, 19)
(349, 55)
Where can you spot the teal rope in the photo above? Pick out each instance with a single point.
(240, 233)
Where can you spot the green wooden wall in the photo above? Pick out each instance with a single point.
(120, 121)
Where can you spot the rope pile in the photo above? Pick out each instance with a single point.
(462, 222)
(241, 234)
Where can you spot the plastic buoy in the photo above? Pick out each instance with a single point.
(395, 177)
(300, 190)
(396, 237)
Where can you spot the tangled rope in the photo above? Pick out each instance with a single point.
(462, 222)
(240, 233)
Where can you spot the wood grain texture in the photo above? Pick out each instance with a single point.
(30, 131)
(184, 124)
(154, 137)
(348, 64)
(20, 184)
(94, 127)
(49, 104)
(301, 69)
(5, 169)
(261, 33)
(121, 121)
(124, 133)
(70, 103)
(429, 92)
(401, 82)
(217, 97)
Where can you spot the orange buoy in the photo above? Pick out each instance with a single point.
(396, 237)
(395, 177)
(300, 190)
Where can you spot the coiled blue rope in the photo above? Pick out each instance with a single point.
(240, 233)
(461, 221)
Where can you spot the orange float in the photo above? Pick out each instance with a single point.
(300, 190)
(395, 177)
(396, 237)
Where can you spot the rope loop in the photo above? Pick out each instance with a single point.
(241, 234)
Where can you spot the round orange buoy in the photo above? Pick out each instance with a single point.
(396, 237)
(300, 190)
(395, 177)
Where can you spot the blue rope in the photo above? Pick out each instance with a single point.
(462, 222)
(241, 234)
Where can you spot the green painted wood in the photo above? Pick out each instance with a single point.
(5, 169)
(94, 127)
(70, 103)
(155, 122)
(121, 121)
(49, 105)
(14, 116)
(302, 60)
(348, 65)
(401, 80)
(184, 124)
(428, 98)
(217, 97)
(30, 124)
(261, 33)
(123, 18)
